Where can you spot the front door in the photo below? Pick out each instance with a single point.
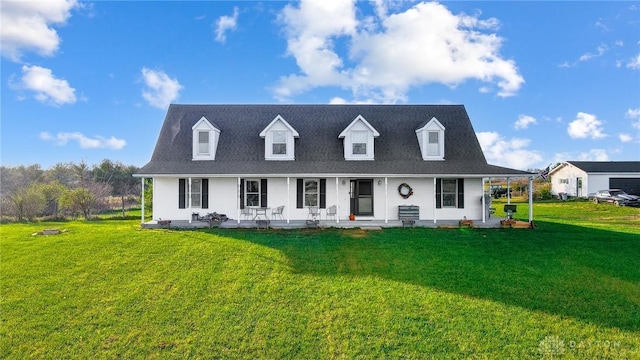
(361, 192)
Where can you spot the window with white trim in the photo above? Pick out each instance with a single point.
(203, 143)
(252, 193)
(311, 192)
(433, 145)
(279, 144)
(196, 193)
(359, 142)
(449, 192)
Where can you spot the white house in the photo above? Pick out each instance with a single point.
(366, 160)
(580, 178)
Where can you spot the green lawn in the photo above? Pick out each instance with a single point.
(107, 289)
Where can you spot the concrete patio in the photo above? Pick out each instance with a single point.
(493, 222)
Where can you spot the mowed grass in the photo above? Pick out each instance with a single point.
(106, 289)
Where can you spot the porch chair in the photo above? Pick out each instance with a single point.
(277, 212)
(314, 213)
(246, 212)
(331, 212)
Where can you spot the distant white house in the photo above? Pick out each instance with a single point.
(579, 178)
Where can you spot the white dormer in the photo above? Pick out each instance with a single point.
(205, 140)
(431, 140)
(358, 140)
(279, 140)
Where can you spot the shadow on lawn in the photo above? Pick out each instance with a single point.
(571, 271)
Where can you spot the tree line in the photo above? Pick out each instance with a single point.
(67, 189)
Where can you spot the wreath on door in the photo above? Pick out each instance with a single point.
(405, 190)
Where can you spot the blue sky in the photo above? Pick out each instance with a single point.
(543, 82)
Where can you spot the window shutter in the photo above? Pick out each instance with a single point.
(205, 193)
(241, 193)
(299, 193)
(438, 193)
(263, 192)
(182, 193)
(460, 193)
(323, 193)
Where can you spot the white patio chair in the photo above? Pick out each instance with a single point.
(331, 212)
(314, 213)
(246, 212)
(277, 212)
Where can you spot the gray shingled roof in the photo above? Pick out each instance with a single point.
(318, 149)
(607, 166)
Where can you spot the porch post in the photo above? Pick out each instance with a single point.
(238, 200)
(288, 198)
(142, 201)
(190, 211)
(530, 198)
(483, 204)
(508, 192)
(337, 200)
(386, 200)
(434, 199)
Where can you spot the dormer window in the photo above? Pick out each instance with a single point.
(279, 145)
(205, 140)
(358, 140)
(433, 145)
(204, 146)
(279, 139)
(431, 140)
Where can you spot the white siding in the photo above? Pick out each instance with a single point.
(224, 196)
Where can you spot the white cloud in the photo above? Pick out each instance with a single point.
(511, 153)
(524, 121)
(588, 56)
(26, 26)
(390, 53)
(160, 89)
(591, 155)
(625, 137)
(83, 141)
(634, 63)
(594, 155)
(47, 88)
(225, 23)
(586, 126)
(634, 114)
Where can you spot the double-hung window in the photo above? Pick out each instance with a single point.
(311, 192)
(449, 191)
(196, 193)
(203, 143)
(252, 193)
(279, 144)
(359, 142)
(433, 145)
